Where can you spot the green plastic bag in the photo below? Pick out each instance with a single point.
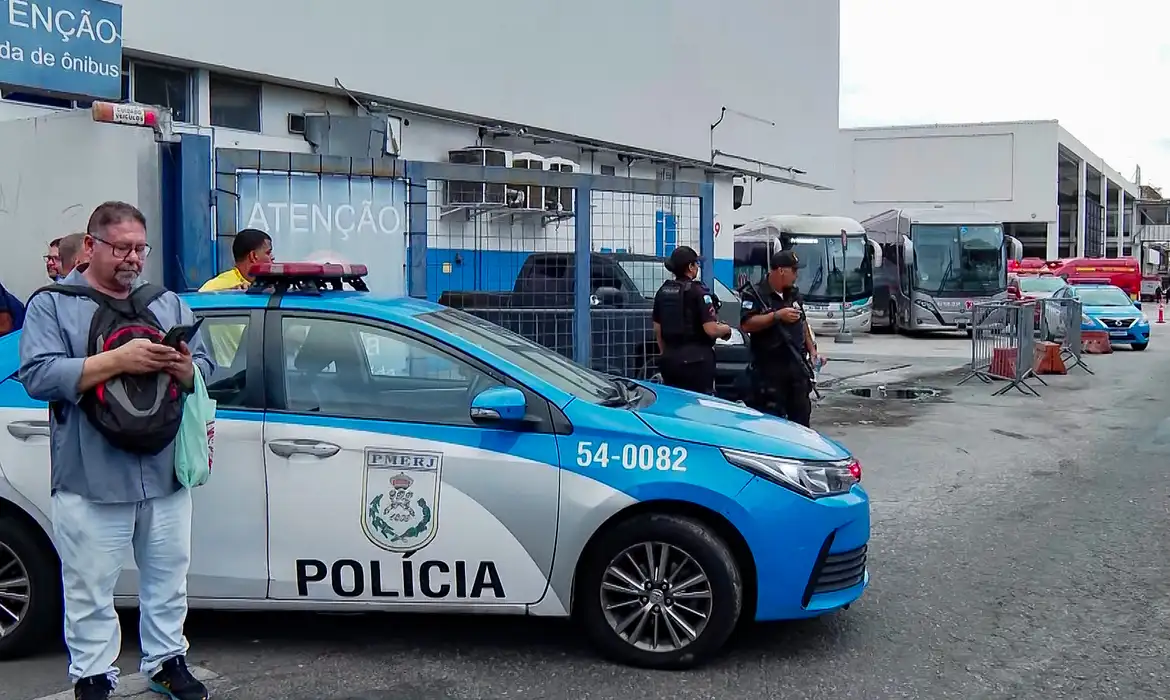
(195, 444)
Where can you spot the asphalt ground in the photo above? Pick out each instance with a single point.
(1021, 549)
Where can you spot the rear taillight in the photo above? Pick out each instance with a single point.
(855, 469)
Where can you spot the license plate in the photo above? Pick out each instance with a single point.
(1118, 334)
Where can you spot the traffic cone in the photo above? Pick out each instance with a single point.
(1161, 312)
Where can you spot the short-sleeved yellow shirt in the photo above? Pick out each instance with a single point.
(225, 337)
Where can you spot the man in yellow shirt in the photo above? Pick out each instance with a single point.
(251, 247)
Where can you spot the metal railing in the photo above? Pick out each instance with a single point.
(1003, 345)
(1060, 322)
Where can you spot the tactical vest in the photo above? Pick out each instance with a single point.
(677, 316)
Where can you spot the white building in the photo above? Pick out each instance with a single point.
(612, 86)
(1052, 193)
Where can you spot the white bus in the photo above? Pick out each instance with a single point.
(836, 281)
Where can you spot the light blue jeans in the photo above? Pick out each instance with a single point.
(92, 539)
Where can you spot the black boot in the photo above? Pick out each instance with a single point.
(93, 688)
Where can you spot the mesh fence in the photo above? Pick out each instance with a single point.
(508, 254)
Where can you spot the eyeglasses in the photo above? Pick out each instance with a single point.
(123, 250)
(52, 258)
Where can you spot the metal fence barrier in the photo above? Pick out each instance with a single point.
(565, 258)
(1003, 345)
(1060, 322)
(512, 254)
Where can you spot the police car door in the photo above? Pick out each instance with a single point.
(230, 506)
(381, 488)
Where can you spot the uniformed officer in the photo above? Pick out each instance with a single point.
(685, 325)
(783, 349)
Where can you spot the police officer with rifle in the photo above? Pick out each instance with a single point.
(783, 349)
(685, 325)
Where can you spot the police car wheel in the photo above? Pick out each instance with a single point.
(660, 591)
(30, 591)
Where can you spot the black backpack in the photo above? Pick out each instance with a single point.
(138, 413)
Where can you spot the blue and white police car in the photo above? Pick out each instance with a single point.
(393, 454)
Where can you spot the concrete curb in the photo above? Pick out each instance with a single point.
(135, 685)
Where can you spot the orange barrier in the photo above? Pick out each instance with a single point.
(1096, 342)
(1003, 362)
(1048, 359)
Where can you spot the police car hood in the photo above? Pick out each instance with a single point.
(682, 415)
(1114, 311)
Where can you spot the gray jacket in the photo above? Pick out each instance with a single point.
(52, 352)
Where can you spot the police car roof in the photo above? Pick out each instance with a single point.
(389, 308)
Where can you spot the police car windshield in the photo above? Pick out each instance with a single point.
(1103, 296)
(648, 276)
(564, 374)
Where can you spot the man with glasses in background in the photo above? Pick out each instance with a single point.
(53, 261)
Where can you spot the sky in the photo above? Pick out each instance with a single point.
(1094, 66)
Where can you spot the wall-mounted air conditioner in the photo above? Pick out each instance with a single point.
(470, 193)
(561, 199)
(532, 196)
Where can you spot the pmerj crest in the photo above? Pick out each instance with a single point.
(401, 498)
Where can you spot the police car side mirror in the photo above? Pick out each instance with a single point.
(500, 404)
(608, 296)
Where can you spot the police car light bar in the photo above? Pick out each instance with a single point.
(307, 277)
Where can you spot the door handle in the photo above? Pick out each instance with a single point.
(25, 429)
(313, 448)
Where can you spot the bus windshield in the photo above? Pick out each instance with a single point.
(958, 260)
(823, 270)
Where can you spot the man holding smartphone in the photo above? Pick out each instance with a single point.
(107, 497)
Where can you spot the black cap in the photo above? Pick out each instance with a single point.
(785, 258)
(681, 258)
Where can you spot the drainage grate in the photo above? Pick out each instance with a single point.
(902, 393)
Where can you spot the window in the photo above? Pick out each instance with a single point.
(225, 339)
(235, 104)
(537, 360)
(162, 86)
(345, 368)
(608, 170)
(30, 98)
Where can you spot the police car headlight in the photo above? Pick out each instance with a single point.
(1144, 319)
(1086, 320)
(735, 339)
(812, 479)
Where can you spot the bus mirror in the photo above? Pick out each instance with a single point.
(877, 252)
(907, 251)
(1015, 249)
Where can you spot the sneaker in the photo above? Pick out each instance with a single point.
(175, 681)
(93, 688)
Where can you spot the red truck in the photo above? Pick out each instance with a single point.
(1125, 273)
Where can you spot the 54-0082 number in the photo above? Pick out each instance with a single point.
(644, 457)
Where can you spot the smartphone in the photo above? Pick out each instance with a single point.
(181, 334)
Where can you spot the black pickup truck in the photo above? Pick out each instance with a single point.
(622, 288)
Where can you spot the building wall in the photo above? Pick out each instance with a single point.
(1006, 170)
(41, 200)
(644, 78)
(630, 73)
